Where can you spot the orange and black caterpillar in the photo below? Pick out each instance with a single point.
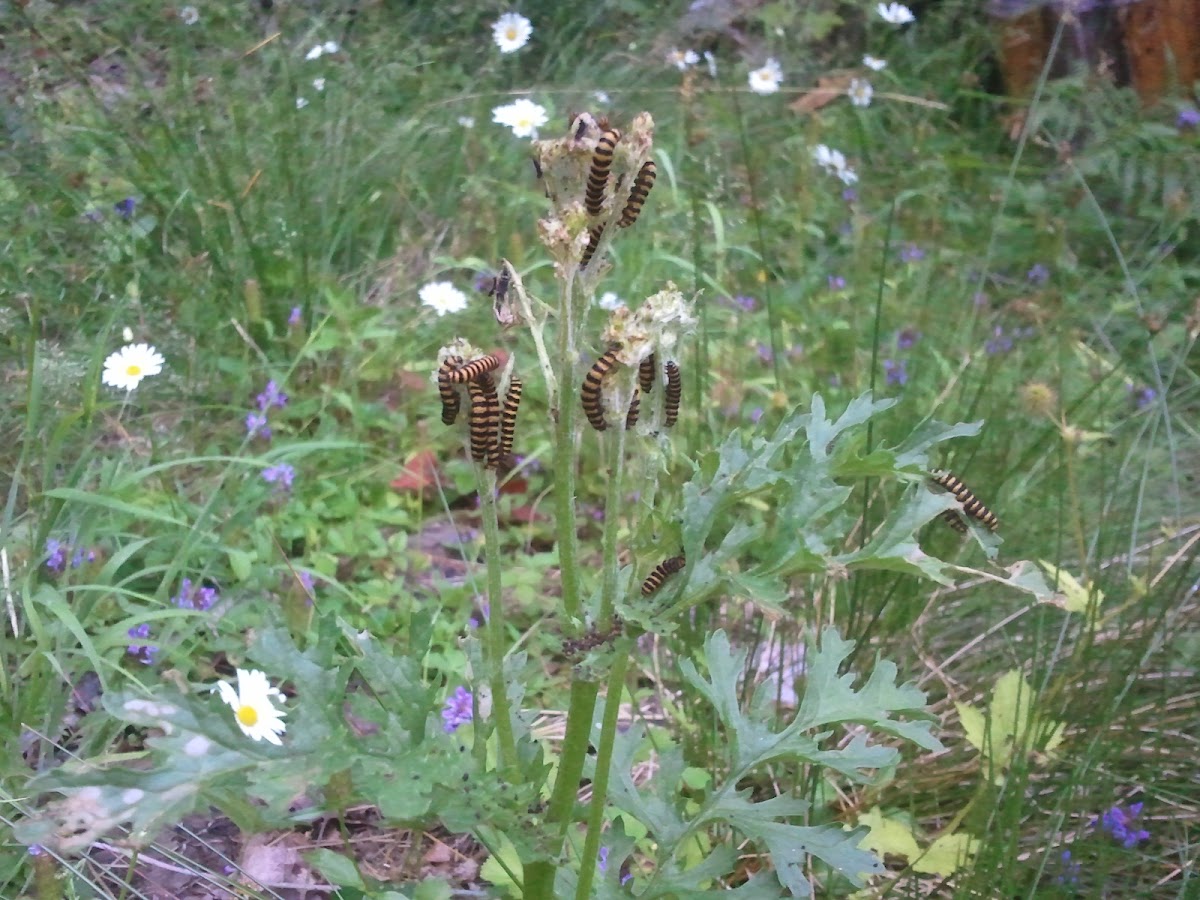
(954, 520)
(647, 373)
(638, 193)
(589, 394)
(602, 159)
(662, 572)
(631, 417)
(449, 394)
(476, 367)
(484, 420)
(594, 638)
(508, 415)
(970, 503)
(593, 243)
(674, 393)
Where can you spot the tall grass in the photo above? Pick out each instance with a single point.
(1045, 289)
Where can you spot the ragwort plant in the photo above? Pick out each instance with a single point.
(367, 724)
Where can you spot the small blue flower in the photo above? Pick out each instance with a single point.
(1189, 117)
(765, 354)
(1070, 869)
(906, 338)
(1120, 823)
(1038, 274)
(457, 710)
(282, 475)
(294, 317)
(602, 860)
(745, 303)
(125, 207)
(256, 425)
(836, 282)
(756, 414)
(999, 342)
(896, 372)
(911, 253)
(56, 554)
(144, 653)
(849, 194)
(271, 396)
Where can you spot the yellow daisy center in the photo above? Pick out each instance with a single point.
(511, 33)
(247, 715)
(133, 369)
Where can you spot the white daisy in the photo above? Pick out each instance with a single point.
(442, 297)
(609, 301)
(848, 175)
(127, 334)
(874, 63)
(318, 84)
(466, 121)
(602, 98)
(682, 59)
(767, 79)
(895, 13)
(315, 53)
(860, 92)
(511, 32)
(253, 710)
(189, 15)
(522, 116)
(330, 47)
(301, 102)
(834, 163)
(128, 366)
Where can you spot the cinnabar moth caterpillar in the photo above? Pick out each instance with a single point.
(593, 243)
(589, 394)
(954, 520)
(647, 373)
(631, 417)
(661, 573)
(594, 638)
(638, 193)
(508, 415)
(449, 394)
(485, 417)
(597, 180)
(476, 367)
(674, 393)
(970, 503)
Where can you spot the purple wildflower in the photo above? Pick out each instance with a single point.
(79, 557)
(281, 475)
(1189, 117)
(836, 282)
(765, 354)
(56, 554)
(271, 396)
(1070, 869)
(144, 653)
(200, 598)
(36, 849)
(294, 317)
(125, 207)
(306, 581)
(602, 860)
(1143, 397)
(457, 710)
(849, 194)
(1120, 823)
(980, 299)
(1037, 274)
(911, 253)
(999, 342)
(896, 372)
(756, 414)
(906, 338)
(256, 425)
(745, 303)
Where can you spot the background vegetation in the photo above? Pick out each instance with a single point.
(190, 183)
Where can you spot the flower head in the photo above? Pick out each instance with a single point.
(1189, 117)
(143, 653)
(895, 13)
(1120, 823)
(301, 102)
(294, 317)
(523, 116)
(56, 554)
(836, 282)
(442, 297)
(271, 396)
(318, 84)
(834, 162)
(609, 301)
(252, 705)
(906, 338)
(911, 253)
(125, 207)
(315, 53)
(281, 475)
(860, 92)
(767, 79)
(330, 47)
(896, 372)
(128, 366)
(189, 15)
(466, 121)
(458, 709)
(682, 59)
(1037, 274)
(511, 32)
(874, 63)
(256, 425)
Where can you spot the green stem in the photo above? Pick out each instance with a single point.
(494, 636)
(608, 737)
